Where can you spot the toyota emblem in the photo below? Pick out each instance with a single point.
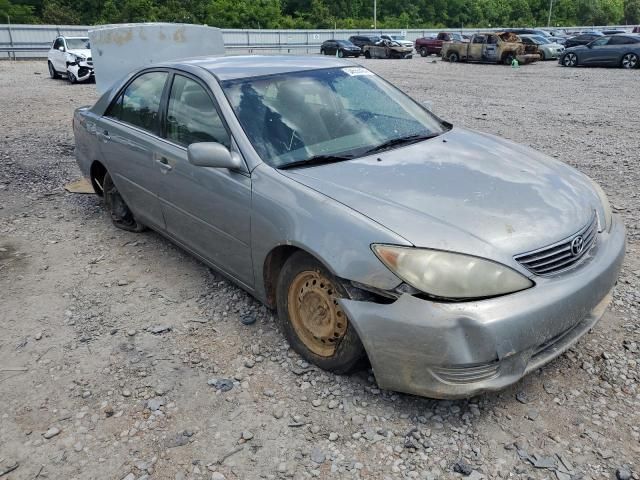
(577, 244)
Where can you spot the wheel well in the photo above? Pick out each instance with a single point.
(97, 173)
(272, 266)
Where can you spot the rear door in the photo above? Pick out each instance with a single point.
(490, 49)
(619, 45)
(127, 136)
(208, 210)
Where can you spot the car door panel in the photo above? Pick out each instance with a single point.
(128, 155)
(206, 209)
(128, 133)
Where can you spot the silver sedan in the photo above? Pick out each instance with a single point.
(454, 261)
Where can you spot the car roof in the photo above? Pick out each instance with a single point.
(247, 66)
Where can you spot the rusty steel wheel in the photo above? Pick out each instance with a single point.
(311, 318)
(315, 314)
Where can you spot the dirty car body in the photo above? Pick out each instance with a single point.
(388, 49)
(491, 47)
(466, 261)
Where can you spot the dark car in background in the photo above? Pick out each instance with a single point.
(341, 48)
(426, 46)
(582, 39)
(364, 40)
(622, 50)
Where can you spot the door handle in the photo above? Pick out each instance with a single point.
(164, 163)
(104, 135)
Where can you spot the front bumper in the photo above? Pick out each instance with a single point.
(453, 350)
(83, 70)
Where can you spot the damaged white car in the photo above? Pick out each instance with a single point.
(71, 56)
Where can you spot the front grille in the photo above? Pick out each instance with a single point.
(461, 375)
(563, 254)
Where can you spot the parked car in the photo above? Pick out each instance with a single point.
(613, 51)
(284, 174)
(387, 49)
(364, 40)
(71, 57)
(581, 39)
(343, 48)
(401, 39)
(546, 49)
(491, 47)
(636, 29)
(530, 31)
(426, 45)
(613, 32)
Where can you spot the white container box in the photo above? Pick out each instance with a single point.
(119, 49)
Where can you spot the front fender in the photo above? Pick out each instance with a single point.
(285, 212)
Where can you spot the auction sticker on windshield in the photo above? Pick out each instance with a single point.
(355, 71)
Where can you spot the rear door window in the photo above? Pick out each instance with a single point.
(139, 103)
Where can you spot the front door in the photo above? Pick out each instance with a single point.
(597, 52)
(59, 56)
(208, 210)
(490, 49)
(127, 134)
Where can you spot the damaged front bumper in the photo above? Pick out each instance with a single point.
(453, 350)
(82, 70)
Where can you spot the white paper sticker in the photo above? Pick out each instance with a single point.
(355, 71)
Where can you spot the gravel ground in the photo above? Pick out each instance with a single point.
(121, 357)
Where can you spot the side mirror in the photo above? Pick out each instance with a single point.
(61, 48)
(214, 155)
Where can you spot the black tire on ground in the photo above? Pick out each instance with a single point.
(630, 61)
(367, 54)
(507, 59)
(570, 60)
(322, 51)
(121, 215)
(424, 52)
(453, 57)
(348, 350)
(542, 57)
(71, 77)
(52, 71)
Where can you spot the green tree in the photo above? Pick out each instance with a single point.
(632, 11)
(16, 13)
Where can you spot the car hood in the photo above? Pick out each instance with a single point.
(462, 191)
(85, 52)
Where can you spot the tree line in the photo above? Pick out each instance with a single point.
(343, 14)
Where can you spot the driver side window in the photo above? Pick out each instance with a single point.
(601, 42)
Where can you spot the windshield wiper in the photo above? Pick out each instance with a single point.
(394, 142)
(317, 160)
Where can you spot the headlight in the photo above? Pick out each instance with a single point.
(605, 223)
(78, 58)
(450, 275)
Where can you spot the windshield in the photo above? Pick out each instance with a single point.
(78, 44)
(347, 111)
(345, 43)
(456, 36)
(540, 40)
(397, 37)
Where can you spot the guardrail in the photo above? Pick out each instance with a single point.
(33, 41)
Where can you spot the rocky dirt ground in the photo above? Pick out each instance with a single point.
(123, 358)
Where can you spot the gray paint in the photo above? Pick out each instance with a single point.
(463, 191)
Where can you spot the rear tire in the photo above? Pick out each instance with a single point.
(121, 215)
(52, 71)
(311, 318)
(630, 61)
(453, 57)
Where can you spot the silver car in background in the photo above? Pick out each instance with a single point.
(455, 261)
(548, 50)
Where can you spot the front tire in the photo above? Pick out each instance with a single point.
(311, 318)
(367, 54)
(121, 215)
(542, 56)
(570, 60)
(508, 59)
(71, 77)
(629, 61)
(52, 71)
(424, 52)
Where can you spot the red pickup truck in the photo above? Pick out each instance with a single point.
(426, 46)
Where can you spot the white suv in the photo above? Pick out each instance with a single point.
(71, 56)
